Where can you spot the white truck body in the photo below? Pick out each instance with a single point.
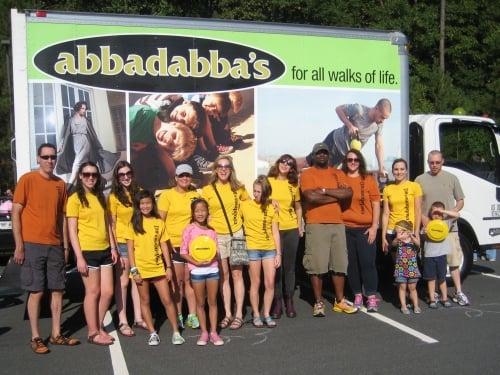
(290, 79)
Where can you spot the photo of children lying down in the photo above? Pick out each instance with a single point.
(167, 130)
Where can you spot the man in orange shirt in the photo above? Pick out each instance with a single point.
(37, 223)
(323, 188)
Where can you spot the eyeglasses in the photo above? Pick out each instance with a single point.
(352, 160)
(184, 175)
(47, 157)
(224, 166)
(288, 162)
(128, 174)
(90, 174)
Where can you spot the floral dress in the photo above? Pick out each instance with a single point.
(406, 262)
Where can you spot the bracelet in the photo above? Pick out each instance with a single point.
(134, 271)
(168, 267)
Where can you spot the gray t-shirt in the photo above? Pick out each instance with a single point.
(358, 115)
(435, 249)
(444, 187)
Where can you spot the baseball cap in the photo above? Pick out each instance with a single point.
(320, 146)
(183, 168)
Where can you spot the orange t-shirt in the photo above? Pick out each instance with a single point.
(364, 192)
(328, 178)
(43, 200)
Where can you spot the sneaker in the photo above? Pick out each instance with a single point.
(344, 306)
(215, 339)
(461, 299)
(405, 310)
(319, 309)
(38, 346)
(224, 149)
(192, 321)
(203, 164)
(446, 303)
(180, 321)
(154, 339)
(371, 304)
(417, 310)
(433, 305)
(358, 300)
(177, 339)
(203, 339)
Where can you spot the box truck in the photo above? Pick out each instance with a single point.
(160, 91)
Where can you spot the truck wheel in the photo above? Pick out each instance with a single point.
(468, 259)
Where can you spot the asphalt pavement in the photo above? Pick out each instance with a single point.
(458, 340)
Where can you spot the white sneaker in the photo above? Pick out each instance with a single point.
(461, 299)
(177, 339)
(154, 339)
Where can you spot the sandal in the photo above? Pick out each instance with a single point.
(257, 322)
(270, 323)
(225, 322)
(62, 340)
(92, 340)
(236, 324)
(125, 330)
(140, 324)
(38, 346)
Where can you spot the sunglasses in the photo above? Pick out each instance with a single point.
(352, 160)
(126, 174)
(224, 166)
(90, 174)
(184, 175)
(47, 157)
(288, 162)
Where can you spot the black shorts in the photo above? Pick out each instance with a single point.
(435, 268)
(43, 267)
(99, 258)
(176, 256)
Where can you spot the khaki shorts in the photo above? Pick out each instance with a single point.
(326, 249)
(224, 243)
(455, 257)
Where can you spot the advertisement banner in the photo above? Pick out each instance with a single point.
(161, 96)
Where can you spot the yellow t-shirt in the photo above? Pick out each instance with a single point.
(258, 225)
(147, 251)
(92, 227)
(232, 202)
(122, 216)
(178, 208)
(286, 195)
(401, 198)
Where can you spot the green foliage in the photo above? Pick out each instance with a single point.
(471, 79)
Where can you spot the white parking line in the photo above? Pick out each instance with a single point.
(401, 327)
(490, 275)
(115, 350)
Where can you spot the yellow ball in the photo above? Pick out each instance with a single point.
(355, 144)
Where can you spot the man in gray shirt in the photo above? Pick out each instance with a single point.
(439, 185)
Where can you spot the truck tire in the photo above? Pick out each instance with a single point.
(468, 251)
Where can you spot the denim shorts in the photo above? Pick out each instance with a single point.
(435, 268)
(123, 249)
(406, 280)
(206, 277)
(177, 257)
(261, 254)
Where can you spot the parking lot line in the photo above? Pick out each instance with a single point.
(115, 350)
(490, 275)
(401, 327)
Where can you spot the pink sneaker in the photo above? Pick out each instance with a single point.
(203, 339)
(358, 300)
(372, 304)
(215, 339)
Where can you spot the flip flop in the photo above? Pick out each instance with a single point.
(237, 323)
(125, 330)
(91, 340)
(225, 322)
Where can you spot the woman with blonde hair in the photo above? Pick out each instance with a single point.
(224, 194)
